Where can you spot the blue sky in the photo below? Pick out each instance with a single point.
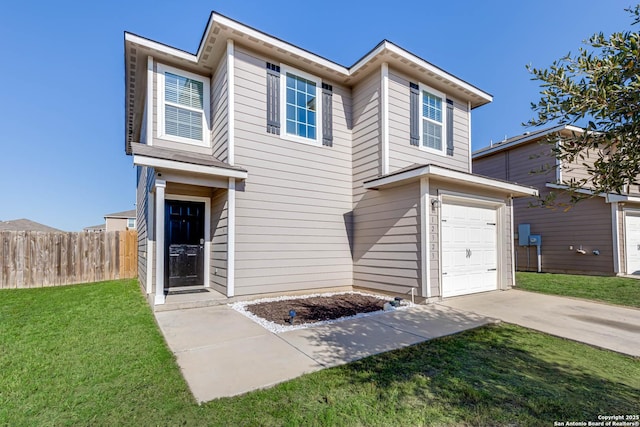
(62, 158)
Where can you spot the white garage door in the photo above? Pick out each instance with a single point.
(632, 243)
(469, 249)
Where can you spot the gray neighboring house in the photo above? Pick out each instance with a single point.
(264, 169)
(599, 236)
(24, 224)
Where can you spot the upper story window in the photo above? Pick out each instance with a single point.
(433, 113)
(301, 108)
(183, 106)
(131, 223)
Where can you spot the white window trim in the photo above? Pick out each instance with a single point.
(129, 221)
(284, 69)
(161, 70)
(443, 150)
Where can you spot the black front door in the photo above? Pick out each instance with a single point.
(184, 235)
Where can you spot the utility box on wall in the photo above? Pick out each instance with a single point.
(524, 230)
(535, 240)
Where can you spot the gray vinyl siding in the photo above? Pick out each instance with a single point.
(588, 224)
(219, 111)
(401, 152)
(577, 169)
(505, 271)
(292, 229)
(494, 166)
(142, 200)
(531, 164)
(366, 150)
(219, 210)
(387, 251)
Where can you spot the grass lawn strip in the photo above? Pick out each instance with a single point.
(612, 290)
(93, 355)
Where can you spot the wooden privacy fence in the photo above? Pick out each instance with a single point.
(31, 259)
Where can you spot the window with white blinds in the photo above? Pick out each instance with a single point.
(432, 125)
(432, 119)
(183, 105)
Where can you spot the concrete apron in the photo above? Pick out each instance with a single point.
(222, 353)
(607, 326)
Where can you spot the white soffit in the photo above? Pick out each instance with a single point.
(164, 164)
(219, 24)
(610, 197)
(450, 175)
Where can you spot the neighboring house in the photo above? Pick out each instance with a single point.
(26, 225)
(599, 235)
(120, 221)
(263, 168)
(96, 228)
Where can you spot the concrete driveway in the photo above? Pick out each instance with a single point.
(223, 353)
(602, 325)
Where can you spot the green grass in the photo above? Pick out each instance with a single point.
(92, 355)
(613, 290)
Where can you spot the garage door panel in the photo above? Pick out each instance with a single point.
(632, 243)
(490, 259)
(469, 249)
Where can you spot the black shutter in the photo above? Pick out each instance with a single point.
(327, 115)
(273, 98)
(449, 127)
(414, 114)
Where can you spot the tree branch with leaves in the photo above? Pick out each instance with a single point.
(599, 91)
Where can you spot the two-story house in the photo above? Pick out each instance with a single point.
(600, 235)
(263, 168)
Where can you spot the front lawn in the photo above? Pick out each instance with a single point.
(93, 355)
(613, 290)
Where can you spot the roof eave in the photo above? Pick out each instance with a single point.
(486, 151)
(514, 190)
(221, 26)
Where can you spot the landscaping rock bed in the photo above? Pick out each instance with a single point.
(274, 313)
(316, 309)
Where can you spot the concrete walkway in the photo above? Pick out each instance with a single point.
(223, 353)
(607, 326)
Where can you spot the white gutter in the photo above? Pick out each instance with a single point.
(610, 197)
(439, 172)
(159, 47)
(187, 167)
(526, 138)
